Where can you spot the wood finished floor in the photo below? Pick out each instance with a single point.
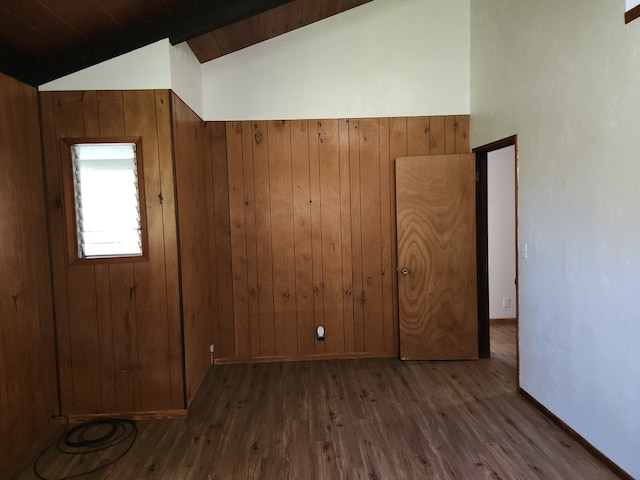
(356, 419)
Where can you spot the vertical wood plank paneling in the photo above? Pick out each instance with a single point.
(264, 246)
(15, 284)
(167, 201)
(225, 346)
(418, 135)
(83, 333)
(339, 176)
(125, 338)
(238, 241)
(35, 265)
(28, 390)
(302, 236)
(91, 113)
(110, 113)
(329, 157)
(356, 234)
(51, 150)
(18, 372)
(24, 287)
(461, 125)
(118, 325)
(109, 119)
(167, 264)
(81, 286)
(150, 287)
(398, 132)
(316, 228)
(253, 306)
(438, 138)
(104, 117)
(450, 134)
(209, 292)
(387, 229)
(284, 282)
(345, 226)
(194, 197)
(371, 232)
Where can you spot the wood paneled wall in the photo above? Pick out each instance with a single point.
(281, 226)
(312, 232)
(197, 240)
(118, 325)
(224, 329)
(28, 389)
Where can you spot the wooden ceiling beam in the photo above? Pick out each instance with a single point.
(206, 19)
(199, 18)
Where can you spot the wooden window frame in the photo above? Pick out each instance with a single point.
(73, 254)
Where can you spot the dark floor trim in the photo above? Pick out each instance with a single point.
(577, 437)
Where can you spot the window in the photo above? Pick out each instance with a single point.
(104, 199)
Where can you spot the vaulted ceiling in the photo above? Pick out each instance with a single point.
(41, 40)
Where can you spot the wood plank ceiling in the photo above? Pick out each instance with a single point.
(41, 40)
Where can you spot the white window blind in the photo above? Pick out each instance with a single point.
(106, 199)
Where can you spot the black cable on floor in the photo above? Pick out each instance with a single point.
(91, 437)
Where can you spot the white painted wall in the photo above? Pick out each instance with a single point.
(564, 77)
(145, 68)
(186, 76)
(384, 58)
(156, 66)
(632, 3)
(501, 220)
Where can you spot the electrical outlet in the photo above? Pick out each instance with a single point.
(506, 303)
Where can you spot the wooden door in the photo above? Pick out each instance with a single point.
(435, 202)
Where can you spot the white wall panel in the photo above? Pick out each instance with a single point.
(384, 58)
(564, 77)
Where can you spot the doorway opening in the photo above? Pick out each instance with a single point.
(509, 301)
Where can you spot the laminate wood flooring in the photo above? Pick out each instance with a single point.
(356, 419)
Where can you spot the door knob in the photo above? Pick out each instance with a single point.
(404, 271)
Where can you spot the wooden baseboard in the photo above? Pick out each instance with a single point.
(152, 415)
(297, 358)
(502, 321)
(616, 469)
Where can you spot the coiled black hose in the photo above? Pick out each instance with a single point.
(91, 437)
